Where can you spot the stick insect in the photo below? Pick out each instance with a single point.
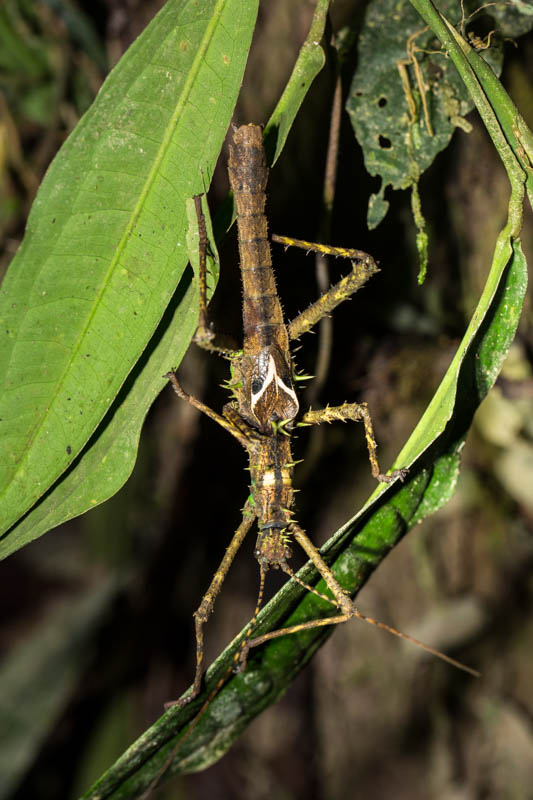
(264, 408)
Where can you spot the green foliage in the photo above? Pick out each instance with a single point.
(96, 275)
(397, 145)
(35, 63)
(99, 303)
(310, 61)
(354, 552)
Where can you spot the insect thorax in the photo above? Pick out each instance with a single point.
(266, 393)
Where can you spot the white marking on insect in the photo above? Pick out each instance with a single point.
(272, 376)
(269, 478)
(288, 390)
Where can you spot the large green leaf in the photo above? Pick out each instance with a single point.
(310, 61)
(105, 249)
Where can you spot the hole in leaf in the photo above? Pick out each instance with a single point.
(385, 143)
(382, 102)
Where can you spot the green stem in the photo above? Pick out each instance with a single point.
(453, 44)
(514, 127)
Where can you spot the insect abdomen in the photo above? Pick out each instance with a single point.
(248, 174)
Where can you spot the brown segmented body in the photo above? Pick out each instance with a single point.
(265, 370)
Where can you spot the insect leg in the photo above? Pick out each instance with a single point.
(354, 412)
(341, 600)
(205, 337)
(204, 611)
(363, 267)
(225, 423)
(341, 291)
(344, 603)
(203, 333)
(356, 614)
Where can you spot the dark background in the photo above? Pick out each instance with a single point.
(97, 616)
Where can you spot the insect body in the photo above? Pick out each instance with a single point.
(265, 406)
(265, 370)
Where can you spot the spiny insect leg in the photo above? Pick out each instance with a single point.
(226, 424)
(343, 600)
(338, 293)
(344, 604)
(363, 267)
(205, 609)
(203, 334)
(355, 412)
(205, 337)
(326, 249)
(236, 665)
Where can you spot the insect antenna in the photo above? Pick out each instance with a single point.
(235, 666)
(355, 613)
